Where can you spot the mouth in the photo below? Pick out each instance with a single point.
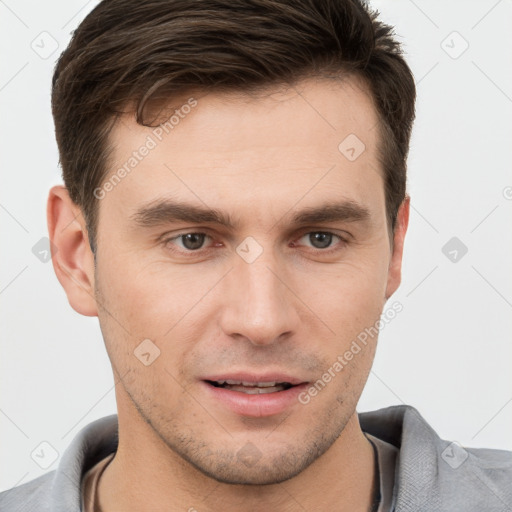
(251, 388)
(251, 395)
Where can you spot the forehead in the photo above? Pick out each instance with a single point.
(316, 139)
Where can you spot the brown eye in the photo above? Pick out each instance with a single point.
(188, 241)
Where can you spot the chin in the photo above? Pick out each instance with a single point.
(239, 474)
(250, 466)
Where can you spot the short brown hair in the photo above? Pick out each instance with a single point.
(128, 52)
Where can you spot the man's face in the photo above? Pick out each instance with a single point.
(271, 298)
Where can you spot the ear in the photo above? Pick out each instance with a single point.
(72, 258)
(395, 264)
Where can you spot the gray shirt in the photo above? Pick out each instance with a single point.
(431, 475)
(386, 457)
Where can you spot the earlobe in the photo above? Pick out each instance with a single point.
(395, 264)
(73, 260)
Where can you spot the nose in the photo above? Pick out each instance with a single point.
(259, 305)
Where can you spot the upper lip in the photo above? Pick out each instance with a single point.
(255, 378)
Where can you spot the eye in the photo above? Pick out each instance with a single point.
(321, 239)
(189, 241)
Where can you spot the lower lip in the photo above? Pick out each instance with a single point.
(256, 406)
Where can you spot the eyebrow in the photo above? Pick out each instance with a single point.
(164, 211)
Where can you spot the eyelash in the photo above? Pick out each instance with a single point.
(166, 242)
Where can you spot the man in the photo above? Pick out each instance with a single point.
(234, 213)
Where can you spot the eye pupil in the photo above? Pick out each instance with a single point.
(325, 239)
(196, 240)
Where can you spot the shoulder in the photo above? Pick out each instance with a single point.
(474, 479)
(433, 474)
(33, 496)
(60, 490)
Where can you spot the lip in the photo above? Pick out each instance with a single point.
(255, 406)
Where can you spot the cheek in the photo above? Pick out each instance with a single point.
(133, 321)
(351, 309)
(353, 295)
(148, 298)
(153, 302)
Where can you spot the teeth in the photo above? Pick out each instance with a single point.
(259, 384)
(255, 390)
(247, 384)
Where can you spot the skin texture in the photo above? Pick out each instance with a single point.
(294, 309)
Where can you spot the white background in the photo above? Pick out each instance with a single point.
(448, 352)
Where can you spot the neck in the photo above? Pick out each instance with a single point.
(146, 474)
